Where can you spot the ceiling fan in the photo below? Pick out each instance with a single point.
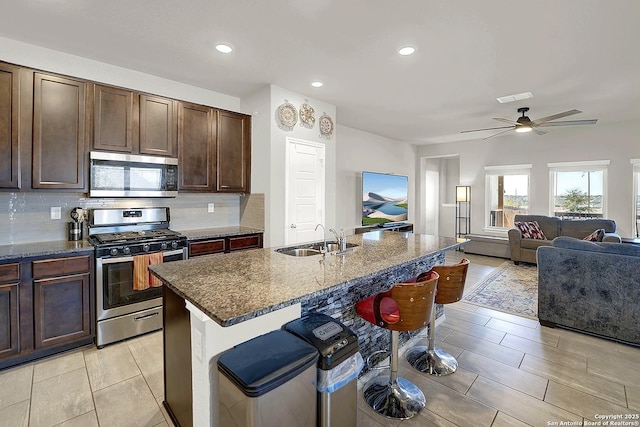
(525, 124)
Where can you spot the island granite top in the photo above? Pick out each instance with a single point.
(55, 247)
(231, 288)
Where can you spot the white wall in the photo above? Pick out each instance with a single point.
(617, 142)
(75, 66)
(359, 151)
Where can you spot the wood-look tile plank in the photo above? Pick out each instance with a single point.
(473, 329)
(541, 335)
(581, 403)
(504, 420)
(578, 379)
(515, 378)
(493, 351)
(518, 405)
(459, 382)
(618, 367)
(633, 397)
(518, 320)
(467, 316)
(545, 352)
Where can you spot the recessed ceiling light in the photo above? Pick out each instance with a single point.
(407, 50)
(224, 48)
(317, 84)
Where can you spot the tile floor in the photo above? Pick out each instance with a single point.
(512, 373)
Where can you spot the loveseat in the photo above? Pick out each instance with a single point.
(592, 287)
(524, 249)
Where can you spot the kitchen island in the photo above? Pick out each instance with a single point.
(232, 298)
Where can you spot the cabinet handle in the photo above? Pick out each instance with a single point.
(145, 317)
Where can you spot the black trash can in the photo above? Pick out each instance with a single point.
(268, 381)
(338, 367)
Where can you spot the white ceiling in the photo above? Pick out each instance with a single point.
(581, 54)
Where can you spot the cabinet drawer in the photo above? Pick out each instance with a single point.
(61, 266)
(206, 247)
(245, 242)
(9, 272)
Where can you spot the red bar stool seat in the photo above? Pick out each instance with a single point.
(404, 307)
(432, 360)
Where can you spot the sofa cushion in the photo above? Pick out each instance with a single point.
(604, 247)
(534, 243)
(579, 228)
(530, 230)
(596, 236)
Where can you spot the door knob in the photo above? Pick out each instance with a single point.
(292, 226)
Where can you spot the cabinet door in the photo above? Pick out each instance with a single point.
(207, 247)
(9, 311)
(9, 123)
(113, 119)
(245, 242)
(61, 309)
(157, 126)
(234, 152)
(196, 146)
(59, 140)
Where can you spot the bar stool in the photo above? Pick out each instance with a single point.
(405, 307)
(432, 360)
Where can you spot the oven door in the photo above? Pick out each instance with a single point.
(115, 295)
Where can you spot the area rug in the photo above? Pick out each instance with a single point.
(511, 288)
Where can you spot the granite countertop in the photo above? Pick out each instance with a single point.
(215, 232)
(232, 288)
(26, 250)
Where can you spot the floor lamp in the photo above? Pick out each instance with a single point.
(463, 210)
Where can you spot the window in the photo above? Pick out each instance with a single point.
(578, 189)
(507, 194)
(636, 197)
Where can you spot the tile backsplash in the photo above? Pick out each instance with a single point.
(26, 216)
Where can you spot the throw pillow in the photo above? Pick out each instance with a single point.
(531, 230)
(596, 236)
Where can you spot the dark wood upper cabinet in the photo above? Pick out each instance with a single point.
(9, 126)
(196, 147)
(59, 139)
(234, 152)
(113, 119)
(157, 126)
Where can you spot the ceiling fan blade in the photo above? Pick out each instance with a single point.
(479, 130)
(569, 123)
(556, 116)
(496, 134)
(500, 119)
(539, 131)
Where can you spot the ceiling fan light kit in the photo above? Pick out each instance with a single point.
(524, 124)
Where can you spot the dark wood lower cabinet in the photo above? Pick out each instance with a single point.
(177, 359)
(46, 306)
(225, 244)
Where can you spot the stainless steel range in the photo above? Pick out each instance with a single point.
(128, 299)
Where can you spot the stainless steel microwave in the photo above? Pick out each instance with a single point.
(128, 175)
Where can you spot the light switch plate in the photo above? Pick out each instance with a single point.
(210, 208)
(56, 212)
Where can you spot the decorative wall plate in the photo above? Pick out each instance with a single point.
(287, 116)
(307, 115)
(326, 126)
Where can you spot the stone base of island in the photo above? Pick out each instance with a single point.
(215, 302)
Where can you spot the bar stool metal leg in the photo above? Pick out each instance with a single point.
(393, 396)
(431, 360)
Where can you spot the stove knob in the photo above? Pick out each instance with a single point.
(174, 245)
(146, 247)
(163, 246)
(126, 250)
(113, 251)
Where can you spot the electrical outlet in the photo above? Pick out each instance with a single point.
(56, 212)
(210, 208)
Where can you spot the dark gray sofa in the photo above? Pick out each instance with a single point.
(522, 249)
(592, 287)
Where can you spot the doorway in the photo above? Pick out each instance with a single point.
(304, 191)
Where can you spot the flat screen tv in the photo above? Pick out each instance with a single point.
(384, 198)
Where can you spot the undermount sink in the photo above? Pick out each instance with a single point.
(313, 249)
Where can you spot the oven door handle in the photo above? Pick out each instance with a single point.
(130, 258)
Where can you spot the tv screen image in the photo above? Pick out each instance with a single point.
(384, 198)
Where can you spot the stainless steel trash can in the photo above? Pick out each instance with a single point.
(268, 381)
(338, 367)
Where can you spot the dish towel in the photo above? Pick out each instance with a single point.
(142, 278)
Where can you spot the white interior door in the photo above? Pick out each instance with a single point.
(304, 191)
